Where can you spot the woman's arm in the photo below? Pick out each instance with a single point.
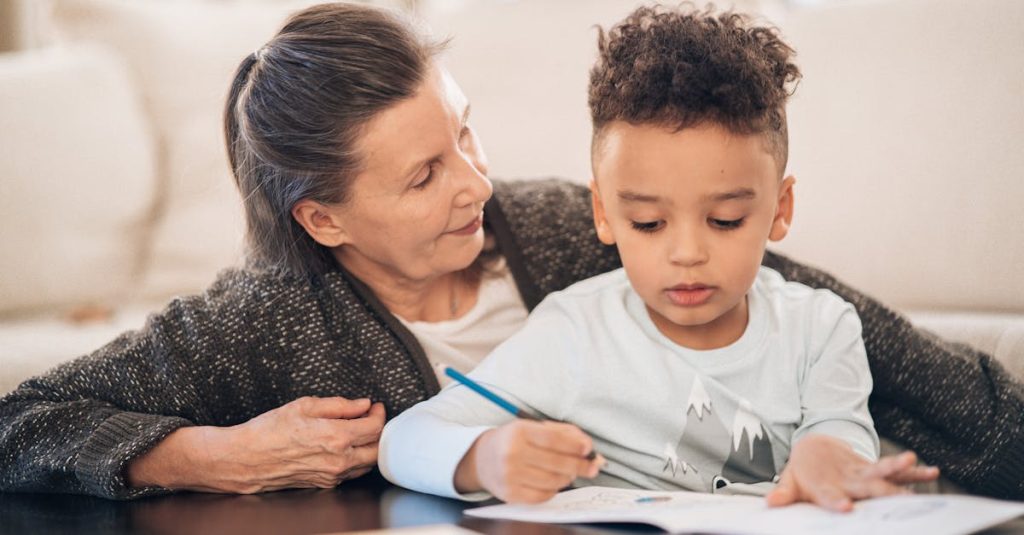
(310, 442)
(954, 406)
(204, 361)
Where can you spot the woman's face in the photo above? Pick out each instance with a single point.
(415, 210)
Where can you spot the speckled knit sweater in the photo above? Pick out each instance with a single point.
(256, 340)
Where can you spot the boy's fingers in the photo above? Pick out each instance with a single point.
(784, 493)
(830, 498)
(542, 480)
(595, 465)
(568, 465)
(561, 438)
(874, 488)
(916, 474)
(891, 464)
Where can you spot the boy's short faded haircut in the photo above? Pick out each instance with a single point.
(683, 67)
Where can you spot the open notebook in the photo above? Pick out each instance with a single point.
(684, 512)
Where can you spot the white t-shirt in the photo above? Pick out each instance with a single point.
(463, 342)
(664, 416)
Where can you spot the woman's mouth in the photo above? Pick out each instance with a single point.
(471, 228)
(688, 295)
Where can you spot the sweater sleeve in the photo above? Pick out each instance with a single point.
(956, 407)
(75, 428)
(834, 392)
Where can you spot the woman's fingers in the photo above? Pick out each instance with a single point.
(333, 407)
(358, 431)
(309, 442)
(367, 430)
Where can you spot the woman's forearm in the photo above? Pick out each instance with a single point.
(184, 460)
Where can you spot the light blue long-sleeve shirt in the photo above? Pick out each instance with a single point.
(664, 416)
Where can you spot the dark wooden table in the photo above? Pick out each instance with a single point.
(369, 503)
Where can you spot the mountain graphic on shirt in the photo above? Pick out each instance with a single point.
(704, 445)
(751, 459)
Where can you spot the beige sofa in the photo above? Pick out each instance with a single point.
(114, 191)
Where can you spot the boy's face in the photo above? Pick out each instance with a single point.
(690, 212)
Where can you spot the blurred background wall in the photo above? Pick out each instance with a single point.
(115, 194)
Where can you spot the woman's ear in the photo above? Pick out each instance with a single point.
(604, 232)
(321, 225)
(784, 210)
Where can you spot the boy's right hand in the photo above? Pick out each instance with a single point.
(526, 461)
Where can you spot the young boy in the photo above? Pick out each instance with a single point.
(693, 367)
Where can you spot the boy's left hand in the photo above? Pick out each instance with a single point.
(826, 471)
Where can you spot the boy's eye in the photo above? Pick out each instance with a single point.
(726, 224)
(647, 226)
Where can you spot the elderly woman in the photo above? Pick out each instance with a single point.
(377, 246)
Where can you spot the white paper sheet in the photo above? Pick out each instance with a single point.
(683, 512)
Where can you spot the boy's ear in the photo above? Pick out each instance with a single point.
(321, 225)
(784, 210)
(604, 232)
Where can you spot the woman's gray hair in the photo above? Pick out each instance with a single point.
(295, 111)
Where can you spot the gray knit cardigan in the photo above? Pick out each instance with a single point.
(257, 340)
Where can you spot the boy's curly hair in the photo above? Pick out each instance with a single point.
(684, 67)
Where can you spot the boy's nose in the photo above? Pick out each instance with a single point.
(687, 249)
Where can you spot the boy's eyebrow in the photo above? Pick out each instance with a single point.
(633, 196)
(736, 194)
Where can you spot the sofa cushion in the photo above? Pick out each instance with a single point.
(998, 334)
(32, 344)
(77, 179)
(182, 56)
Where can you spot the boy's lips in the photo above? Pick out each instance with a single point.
(689, 295)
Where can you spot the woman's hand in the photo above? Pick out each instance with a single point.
(826, 471)
(309, 442)
(525, 461)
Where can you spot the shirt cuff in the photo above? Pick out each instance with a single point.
(431, 468)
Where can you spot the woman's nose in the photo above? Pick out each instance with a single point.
(474, 186)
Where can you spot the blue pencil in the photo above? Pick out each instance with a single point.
(496, 399)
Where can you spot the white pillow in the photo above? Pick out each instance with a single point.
(183, 54)
(77, 179)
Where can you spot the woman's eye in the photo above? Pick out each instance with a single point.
(647, 226)
(426, 180)
(726, 224)
(464, 136)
